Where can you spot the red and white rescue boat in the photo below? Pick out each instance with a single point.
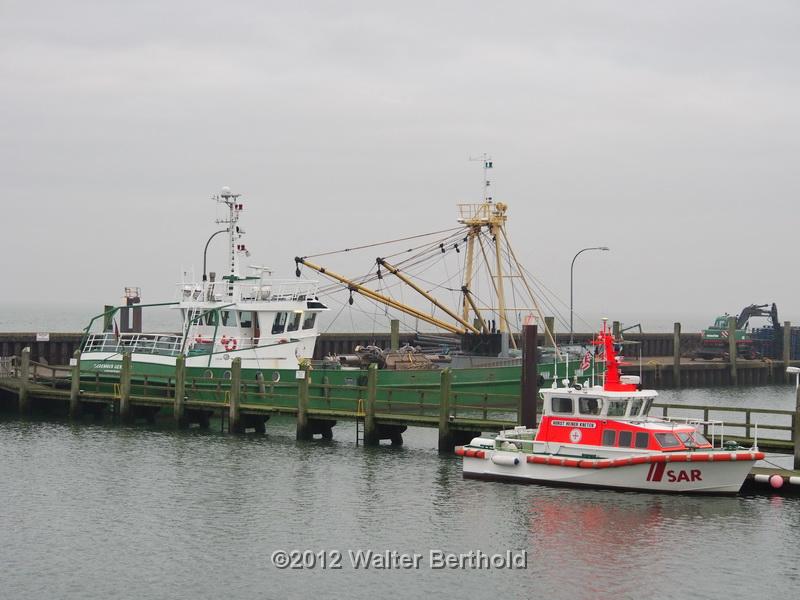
(602, 436)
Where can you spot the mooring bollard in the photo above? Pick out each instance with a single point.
(125, 388)
(676, 355)
(179, 409)
(303, 430)
(234, 397)
(75, 386)
(24, 382)
(370, 426)
(732, 348)
(445, 438)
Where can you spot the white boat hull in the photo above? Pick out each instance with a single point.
(724, 473)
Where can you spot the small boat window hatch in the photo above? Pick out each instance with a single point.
(667, 440)
(294, 324)
(590, 406)
(625, 438)
(636, 406)
(609, 437)
(617, 408)
(562, 406)
(642, 439)
(308, 322)
(279, 324)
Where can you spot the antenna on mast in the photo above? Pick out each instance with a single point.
(487, 164)
(235, 233)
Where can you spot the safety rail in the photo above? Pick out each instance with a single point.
(166, 344)
(501, 407)
(732, 428)
(250, 290)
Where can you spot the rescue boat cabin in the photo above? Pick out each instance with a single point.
(612, 418)
(615, 422)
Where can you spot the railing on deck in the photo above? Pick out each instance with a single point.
(166, 344)
(754, 419)
(266, 290)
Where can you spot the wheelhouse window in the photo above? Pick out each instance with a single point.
(667, 440)
(294, 323)
(589, 406)
(647, 405)
(246, 318)
(308, 322)
(701, 440)
(616, 408)
(642, 439)
(279, 324)
(625, 438)
(228, 318)
(636, 406)
(609, 437)
(562, 406)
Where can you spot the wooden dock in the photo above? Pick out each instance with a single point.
(241, 406)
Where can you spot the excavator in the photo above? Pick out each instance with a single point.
(714, 340)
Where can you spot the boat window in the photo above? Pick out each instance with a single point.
(294, 324)
(246, 318)
(616, 408)
(646, 410)
(667, 440)
(280, 323)
(227, 318)
(700, 439)
(636, 405)
(642, 438)
(609, 437)
(625, 439)
(687, 439)
(308, 323)
(589, 406)
(211, 319)
(562, 405)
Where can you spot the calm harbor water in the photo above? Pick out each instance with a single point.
(101, 511)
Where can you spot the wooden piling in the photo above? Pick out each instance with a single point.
(787, 348)
(234, 395)
(732, 349)
(24, 381)
(303, 430)
(529, 394)
(125, 413)
(370, 426)
(445, 437)
(75, 386)
(796, 430)
(676, 356)
(395, 335)
(550, 325)
(179, 409)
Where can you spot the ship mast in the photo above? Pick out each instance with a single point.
(235, 248)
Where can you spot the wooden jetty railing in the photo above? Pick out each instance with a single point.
(384, 411)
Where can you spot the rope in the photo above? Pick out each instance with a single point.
(413, 237)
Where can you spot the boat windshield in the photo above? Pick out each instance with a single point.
(636, 406)
(667, 440)
(590, 406)
(616, 408)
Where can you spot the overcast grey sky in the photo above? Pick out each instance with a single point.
(666, 130)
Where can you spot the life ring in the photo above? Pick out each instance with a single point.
(230, 344)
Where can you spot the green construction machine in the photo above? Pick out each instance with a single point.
(714, 341)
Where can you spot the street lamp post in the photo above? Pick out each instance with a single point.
(571, 268)
(205, 251)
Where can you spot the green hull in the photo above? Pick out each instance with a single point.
(479, 389)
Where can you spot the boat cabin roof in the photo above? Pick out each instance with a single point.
(595, 402)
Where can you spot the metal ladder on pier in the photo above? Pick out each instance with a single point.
(360, 414)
